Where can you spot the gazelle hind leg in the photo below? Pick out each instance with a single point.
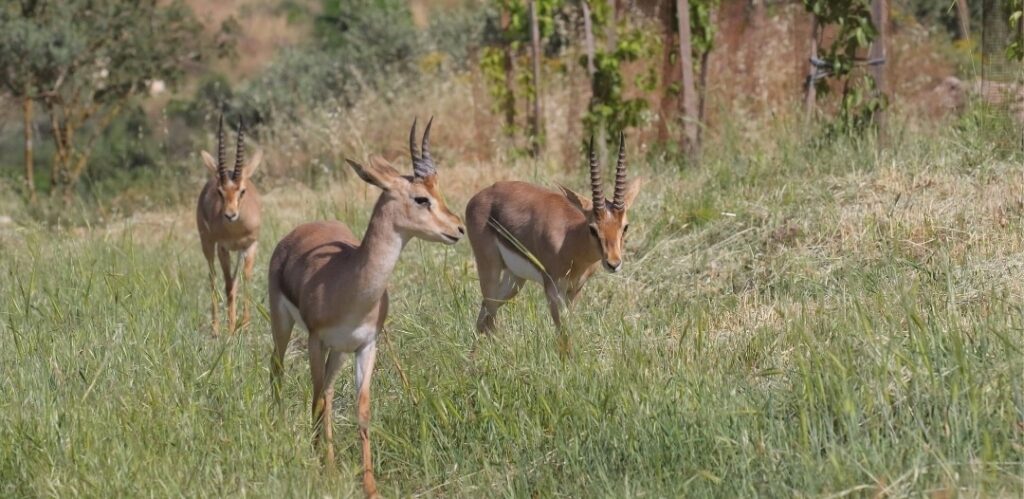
(365, 359)
(281, 325)
(334, 359)
(250, 262)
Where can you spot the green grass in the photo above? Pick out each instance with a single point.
(797, 322)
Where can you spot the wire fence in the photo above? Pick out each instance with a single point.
(1001, 87)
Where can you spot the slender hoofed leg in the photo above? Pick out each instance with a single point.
(334, 359)
(208, 251)
(250, 262)
(281, 325)
(365, 358)
(230, 290)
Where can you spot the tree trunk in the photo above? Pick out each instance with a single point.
(810, 92)
(536, 128)
(702, 90)
(689, 142)
(611, 30)
(588, 28)
(757, 13)
(667, 106)
(880, 18)
(963, 18)
(30, 177)
(508, 104)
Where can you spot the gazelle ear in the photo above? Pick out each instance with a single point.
(380, 174)
(211, 164)
(579, 201)
(632, 189)
(253, 163)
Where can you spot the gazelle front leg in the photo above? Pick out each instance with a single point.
(230, 289)
(208, 252)
(250, 262)
(556, 302)
(365, 359)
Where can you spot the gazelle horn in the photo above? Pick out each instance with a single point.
(618, 199)
(239, 152)
(422, 165)
(595, 181)
(222, 171)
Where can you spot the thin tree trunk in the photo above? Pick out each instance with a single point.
(689, 92)
(702, 94)
(536, 125)
(588, 28)
(611, 33)
(757, 14)
(30, 177)
(880, 18)
(668, 104)
(810, 92)
(509, 102)
(963, 18)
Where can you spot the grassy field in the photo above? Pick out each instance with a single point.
(791, 321)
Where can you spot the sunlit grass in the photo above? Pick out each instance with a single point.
(806, 321)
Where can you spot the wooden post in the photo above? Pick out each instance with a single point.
(963, 18)
(689, 142)
(538, 110)
(30, 181)
(810, 92)
(508, 105)
(667, 106)
(880, 18)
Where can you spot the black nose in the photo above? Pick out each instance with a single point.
(462, 230)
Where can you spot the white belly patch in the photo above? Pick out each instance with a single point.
(343, 337)
(519, 265)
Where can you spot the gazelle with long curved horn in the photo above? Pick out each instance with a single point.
(324, 278)
(228, 218)
(522, 232)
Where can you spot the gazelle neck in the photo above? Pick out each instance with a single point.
(378, 253)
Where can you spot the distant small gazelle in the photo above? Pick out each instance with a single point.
(523, 232)
(323, 278)
(228, 218)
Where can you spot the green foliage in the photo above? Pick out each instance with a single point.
(86, 60)
(608, 108)
(860, 101)
(1015, 51)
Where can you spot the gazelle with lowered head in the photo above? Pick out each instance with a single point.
(324, 278)
(228, 218)
(522, 232)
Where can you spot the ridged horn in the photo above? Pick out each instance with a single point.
(595, 180)
(222, 171)
(239, 152)
(422, 163)
(618, 199)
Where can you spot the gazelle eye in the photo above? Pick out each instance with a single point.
(624, 229)
(422, 201)
(593, 230)
(241, 193)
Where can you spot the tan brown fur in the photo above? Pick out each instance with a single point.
(560, 230)
(322, 276)
(228, 219)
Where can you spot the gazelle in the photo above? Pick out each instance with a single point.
(523, 232)
(228, 217)
(322, 277)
